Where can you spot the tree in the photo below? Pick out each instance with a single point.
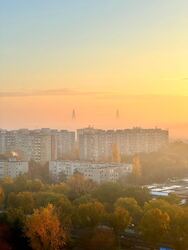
(90, 214)
(136, 176)
(131, 205)
(42, 199)
(62, 177)
(120, 219)
(140, 194)
(108, 192)
(83, 199)
(5, 237)
(35, 185)
(64, 211)
(20, 184)
(155, 225)
(7, 185)
(1, 196)
(44, 230)
(16, 217)
(178, 229)
(103, 238)
(75, 152)
(22, 200)
(61, 188)
(116, 155)
(39, 171)
(173, 199)
(79, 185)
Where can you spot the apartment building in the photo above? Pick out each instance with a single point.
(97, 145)
(13, 168)
(63, 143)
(98, 172)
(41, 145)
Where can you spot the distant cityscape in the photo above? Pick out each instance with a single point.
(87, 144)
(94, 153)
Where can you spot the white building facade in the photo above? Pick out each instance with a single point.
(13, 168)
(98, 172)
(41, 145)
(97, 145)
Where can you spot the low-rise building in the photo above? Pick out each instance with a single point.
(177, 187)
(13, 168)
(98, 172)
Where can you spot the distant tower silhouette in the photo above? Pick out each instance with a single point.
(117, 114)
(73, 115)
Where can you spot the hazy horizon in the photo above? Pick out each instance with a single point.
(94, 57)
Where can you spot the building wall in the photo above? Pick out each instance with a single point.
(98, 172)
(13, 168)
(96, 145)
(63, 143)
(2, 141)
(39, 145)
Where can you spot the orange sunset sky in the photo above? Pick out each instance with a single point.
(94, 57)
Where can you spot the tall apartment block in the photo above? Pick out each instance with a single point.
(63, 143)
(97, 145)
(41, 145)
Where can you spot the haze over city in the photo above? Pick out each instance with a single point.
(94, 125)
(94, 57)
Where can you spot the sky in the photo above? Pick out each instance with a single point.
(94, 56)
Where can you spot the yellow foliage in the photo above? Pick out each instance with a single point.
(44, 230)
(116, 155)
(136, 167)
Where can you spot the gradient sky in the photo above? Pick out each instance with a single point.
(94, 56)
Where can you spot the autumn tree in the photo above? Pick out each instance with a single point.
(44, 230)
(136, 175)
(131, 205)
(79, 185)
(116, 155)
(120, 219)
(83, 199)
(108, 192)
(65, 211)
(61, 188)
(178, 231)
(16, 218)
(39, 171)
(7, 184)
(5, 237)
(155, 225)
(178, 226)
(35, 185)
(140, 194)
(1, 196)
(75, 152)
(102, 238)
(90, 214)
(22, 200)
(20, 183)
(42, 199)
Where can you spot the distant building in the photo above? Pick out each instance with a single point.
(43, 145)
(63, 143)
(2, 141)
(178, 187)
(40, 145)
(13, 168)
(96, 144)
(98, 172)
